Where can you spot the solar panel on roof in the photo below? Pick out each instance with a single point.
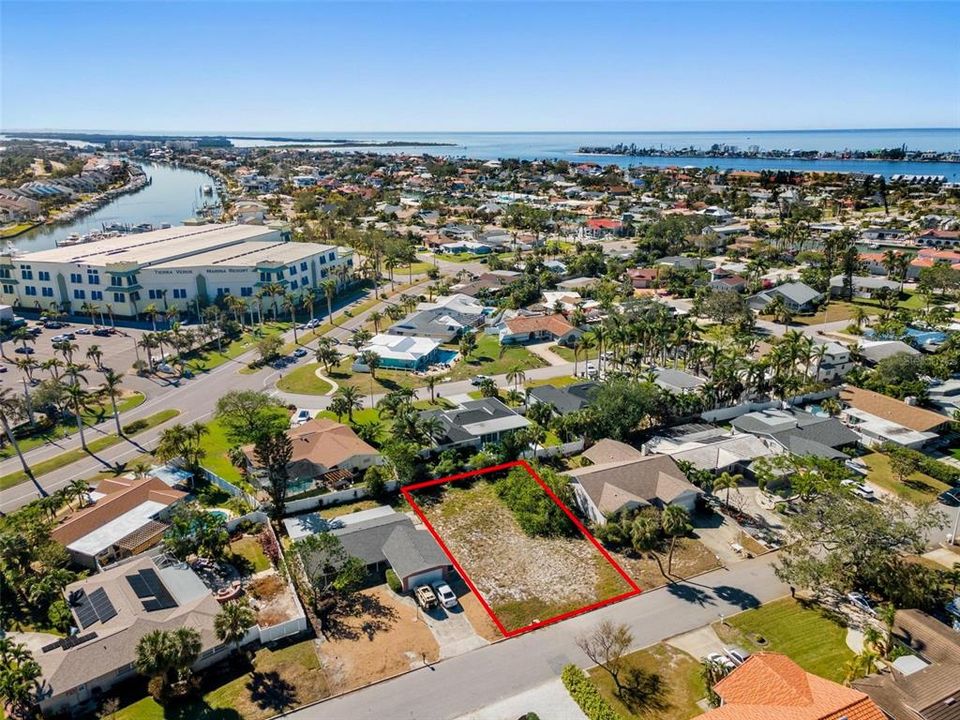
(139, 586)
(102, 605)
(161, 594)
(86, 615)
(151, 605)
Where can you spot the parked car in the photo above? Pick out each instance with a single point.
(859, 600)
(64, 337)
(313, 323)
(591, 369)
(738, 656)
(3, 368)
(24, 350)
(720, 659)
(102, 332)
(950, 497)
(857, 465)
(35, 330)
(447, 597)
(479, 380)
(300, 418)
(858, 489)
(425, 597)
(299, 352)
(54, 324)
(84, 331)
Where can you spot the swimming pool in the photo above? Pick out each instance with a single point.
(171, 475)
(926, 337)
(446, 356)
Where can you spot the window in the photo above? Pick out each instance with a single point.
(119, 297)
(43, 275)
(74, 278)
(131, 280)
(30, 290)
(154, 294)
(46, 292)
(246, 292)
(331, 256)
(135, 296)
(8, 289)
(26, 274)
(292, 269)
(93, 277)
(323, 272)
(323, 260)
(223, 292)
(79, 295)
(5, 273)
(264, 276)
(116, 280)
(96, 295)
(293, 284)
(179, 294)
(303, 267)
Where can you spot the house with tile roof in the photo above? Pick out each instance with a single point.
(799, 432)
(771, 686)
(797, 297)
(623, 478)
(128, 517)
(538, 328)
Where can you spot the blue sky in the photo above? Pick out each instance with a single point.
(366, 67)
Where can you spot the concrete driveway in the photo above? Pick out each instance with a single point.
(451, 628)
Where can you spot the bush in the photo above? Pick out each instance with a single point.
(534, 510)
(135, 427)
(925, 464)
(394, 582)
(586, 695)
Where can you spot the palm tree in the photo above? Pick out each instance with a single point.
(431, 383)
(372, 361)
(111, 381)
(290, 305)
(376, 317)
(309, 300)
(233, 621)
(517, 376)
(329, 290)
(154, 655)
(95, 354)
(10, 409)
(727, 481)
(675, 521)
(645, 538)
(20, 683)
(152, 312)
(80, 402)
(350, 398)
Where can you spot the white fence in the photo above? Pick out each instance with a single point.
(230, 488)
(562, 450)
(333, 498)
(735, 411)
(256, 517)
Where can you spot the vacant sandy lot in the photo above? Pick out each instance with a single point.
(381, 638)
(691, 557)
(524, 579)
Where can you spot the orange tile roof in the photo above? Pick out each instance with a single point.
(770, 686)
(556, 324)
(891, 409)
(322, 442)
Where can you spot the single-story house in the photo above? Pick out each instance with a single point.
(677, 381)
(679, 262)
(578, 284)
(879, 418)
(491, 282)
(873, 351)
(797, 297)
(923, 685)
(710, 448)
(128, 517)
(643, 278)
(437, 323)
(476, 423)
(799, 432)
(864, 286)
(320, 446)
(771, 686)
(391, 541)
(399, 352)
(566, 399)
(538, 328)
(724, 280)
(626, 479)
(112, 610)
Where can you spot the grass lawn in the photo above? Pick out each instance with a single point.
(10, 231)
(94, 446)
(836, 310)
(304, 381)
(93, 416)
(216, 444)
(283, 678)
(567, 353)
(369, 415)
(250, 550)
(206, 360)
(917, 488)
(556, 382)
(809, 636)
(674, 685)
(490, 358)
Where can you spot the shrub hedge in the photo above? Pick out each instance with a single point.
(586, 695)
(394, 582)
(926, 464)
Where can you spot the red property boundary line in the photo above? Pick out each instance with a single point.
(408, 494)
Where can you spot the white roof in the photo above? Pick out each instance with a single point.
(117, 529)
(301, 526)
(886, 429)
(399, 347)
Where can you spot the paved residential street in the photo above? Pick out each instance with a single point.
(463, 684)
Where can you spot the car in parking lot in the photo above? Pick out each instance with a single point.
(425, 597)
(63, 337)
(860, 601)
(300, 352)
(857, 465)
(447, 597)
(102, 332)
(858, 489)
(738, 656)
(24, 350)
(950, 498)
(54, 324)
(3, 368)
(84, 331)
(35, 330)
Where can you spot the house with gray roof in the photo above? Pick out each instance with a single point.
(389, 540)
(873, 351)
(799, 432)
(863, 286)
(564, 400)
(677, 381)
(475, 423)
(711, 448)
(797, 297)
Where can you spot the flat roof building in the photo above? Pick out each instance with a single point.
(172, 267)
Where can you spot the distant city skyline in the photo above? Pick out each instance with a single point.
(253, 67)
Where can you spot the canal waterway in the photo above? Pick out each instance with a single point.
(172, 197)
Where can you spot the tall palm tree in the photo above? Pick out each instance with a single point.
(517, 376)
(376, 317)
(290, 305)
(10, 410)
(645, 538)
(727, 481)
(233, 621)
(675, 521)
(78, 490)
(80, 402)
(350, 397)
(329, 290)
(111, 381)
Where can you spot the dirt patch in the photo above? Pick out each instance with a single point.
(691, 557)
(523, 578)
(377, 637)
(273, 599)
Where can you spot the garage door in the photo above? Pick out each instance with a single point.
(425, 578)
